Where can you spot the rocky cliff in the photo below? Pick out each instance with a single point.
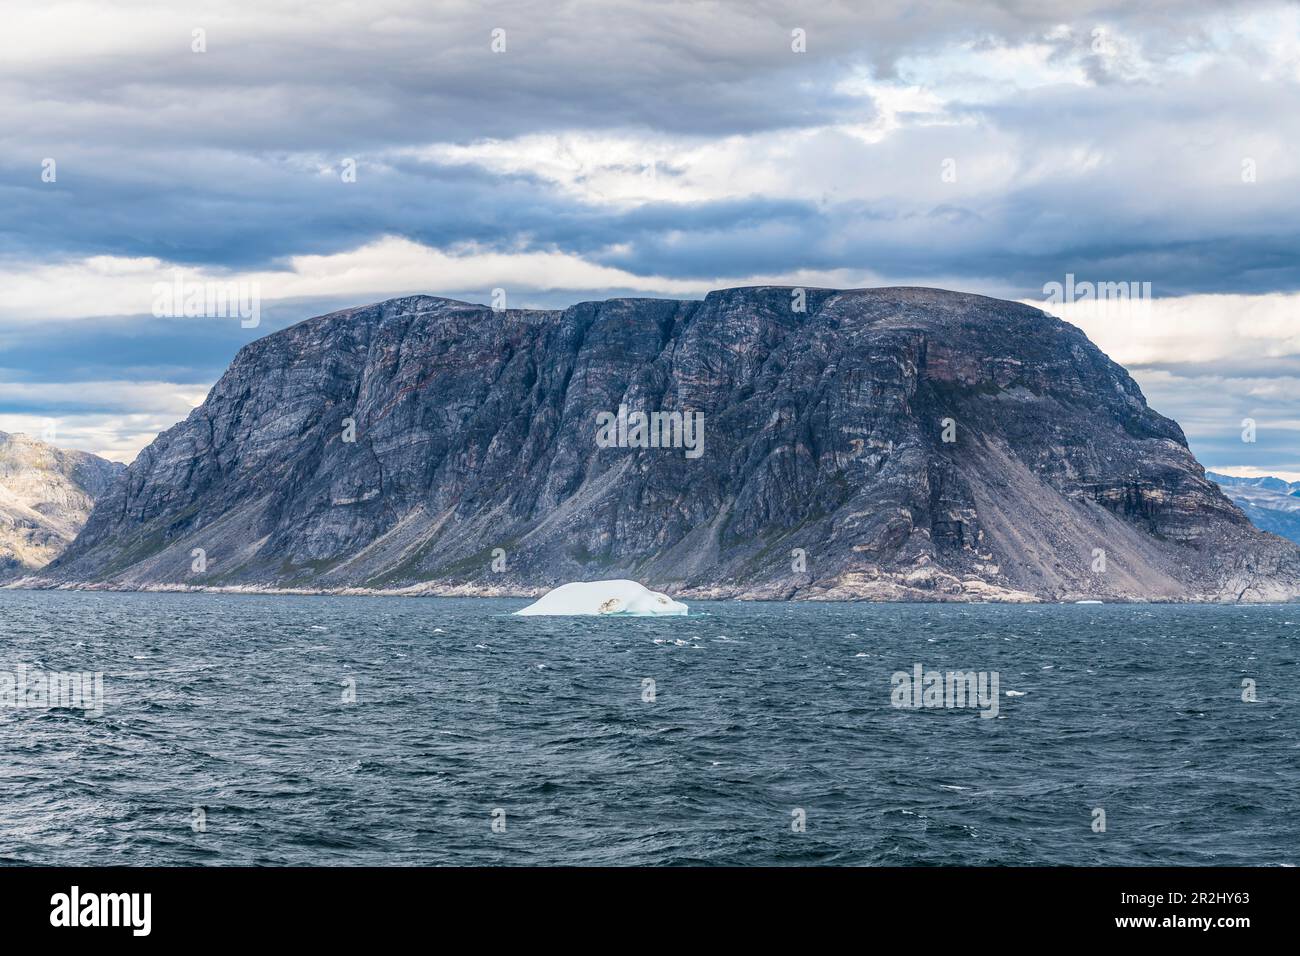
(46, 495)
(895, 443)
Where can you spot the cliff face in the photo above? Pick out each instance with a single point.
(889, 443)
(46, 495)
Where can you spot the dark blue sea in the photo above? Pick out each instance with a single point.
(768, 735)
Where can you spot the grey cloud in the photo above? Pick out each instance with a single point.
(216, 159)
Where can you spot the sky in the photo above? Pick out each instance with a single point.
(334, 154)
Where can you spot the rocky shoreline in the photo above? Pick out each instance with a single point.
(872, 592)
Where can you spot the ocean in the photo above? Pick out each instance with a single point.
(279, 730)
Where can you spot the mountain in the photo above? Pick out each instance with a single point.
(46, 495)
(476, 462)
(1268, 483)
(1270, 503)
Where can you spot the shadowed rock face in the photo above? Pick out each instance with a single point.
(823, 431)
(46, 495)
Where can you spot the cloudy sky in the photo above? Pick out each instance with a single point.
(568, 151)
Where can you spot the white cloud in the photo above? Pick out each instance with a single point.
(1193, 329)
(108, 285)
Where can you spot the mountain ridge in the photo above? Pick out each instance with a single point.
(474, 467)
(46, 496)
(1272, 504)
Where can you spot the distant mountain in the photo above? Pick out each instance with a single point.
(1270, 503)
(46, 495)
(881, 444)
(1267, 483)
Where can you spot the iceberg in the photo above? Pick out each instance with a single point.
(604, 597)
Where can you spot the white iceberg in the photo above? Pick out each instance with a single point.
(604, 597)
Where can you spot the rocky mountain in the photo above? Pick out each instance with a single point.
(893, 444)
(1271, 504)
(46, 495)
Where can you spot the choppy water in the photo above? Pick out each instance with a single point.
(234, 704)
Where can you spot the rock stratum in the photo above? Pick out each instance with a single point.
(46, 495)
(824, 472)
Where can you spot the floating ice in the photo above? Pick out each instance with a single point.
(604, 597)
